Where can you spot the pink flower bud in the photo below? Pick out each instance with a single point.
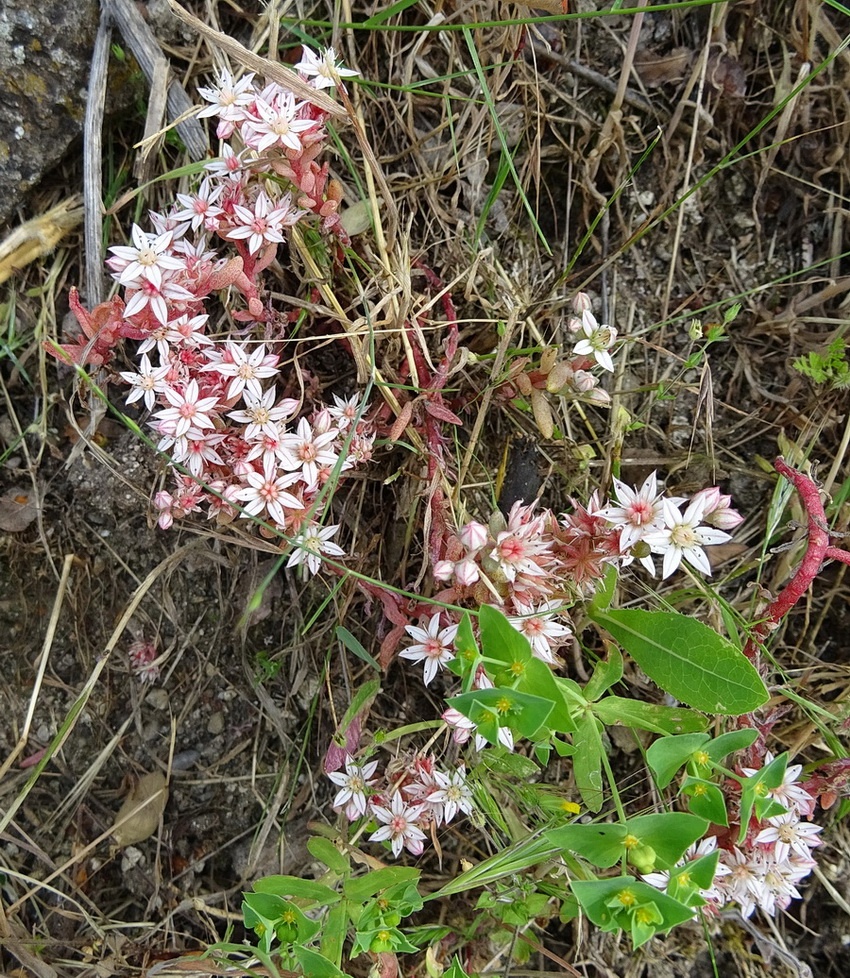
(598, 396)
(467, 573)
(724, 518)
(583, 381)
(474, 536)
(581, 303)
(322, 422)
(709, 498)
(443, 570)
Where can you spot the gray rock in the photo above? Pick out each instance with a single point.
(45, 49)
(45, 54)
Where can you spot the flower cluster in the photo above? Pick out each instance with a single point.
(763, 870)
(534, 565)
(568, 376)
(238, 445)
(405, 803)
(142, 656)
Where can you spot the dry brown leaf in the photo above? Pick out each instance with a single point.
(151, 792)
(18, 508)
(38, 236)
(655, 71)
(552, 6)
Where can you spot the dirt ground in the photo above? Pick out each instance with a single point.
(251, 674)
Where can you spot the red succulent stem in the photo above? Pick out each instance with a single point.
(818, 550)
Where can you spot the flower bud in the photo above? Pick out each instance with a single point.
(466, 573)
(443, 570)
(322, 422)
(581, 303)
(474, 536)
(643, 858)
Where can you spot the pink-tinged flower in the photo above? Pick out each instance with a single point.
(452, 794)
(311, 543)
(199, 207)
(146, 260)
(435, 646)
(514, 554)
(323, 69)
(684, 538)
(276, 124)
(263, 225)
(188, 409)
(596, 340)
(229, 166)
(400, 826)
(228, 98)
(744, 882)
(541, 629)
(309, 451)
(147, 383)
(261, 414)
(474, 536)
(246, 368)
(266, 491)
(157, 339)
(345, 412)
(187, 332)
(788, 834)
(198, 450)
(142, 655)
(638, 512)
(354, 787)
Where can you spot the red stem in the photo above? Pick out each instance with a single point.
(818, 550)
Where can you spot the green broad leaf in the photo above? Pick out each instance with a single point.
(525, 715)
(500, 640)
(687, 659)
(455, 971)
(360, 889)
(667, 754)
(316, 965)
(601, 844)
(467, 656)
(296, 888)
(539, 680)
(606, 673)
(668, 833)
(262, 908)
(326, 852)
(333, 933)
(587, 761)
(515, 765)
(727, 743)
(355, 647)
(700, 872)
(597, 896)
(617, 710)
(755, 793)
(604, 595)
(706, 800)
